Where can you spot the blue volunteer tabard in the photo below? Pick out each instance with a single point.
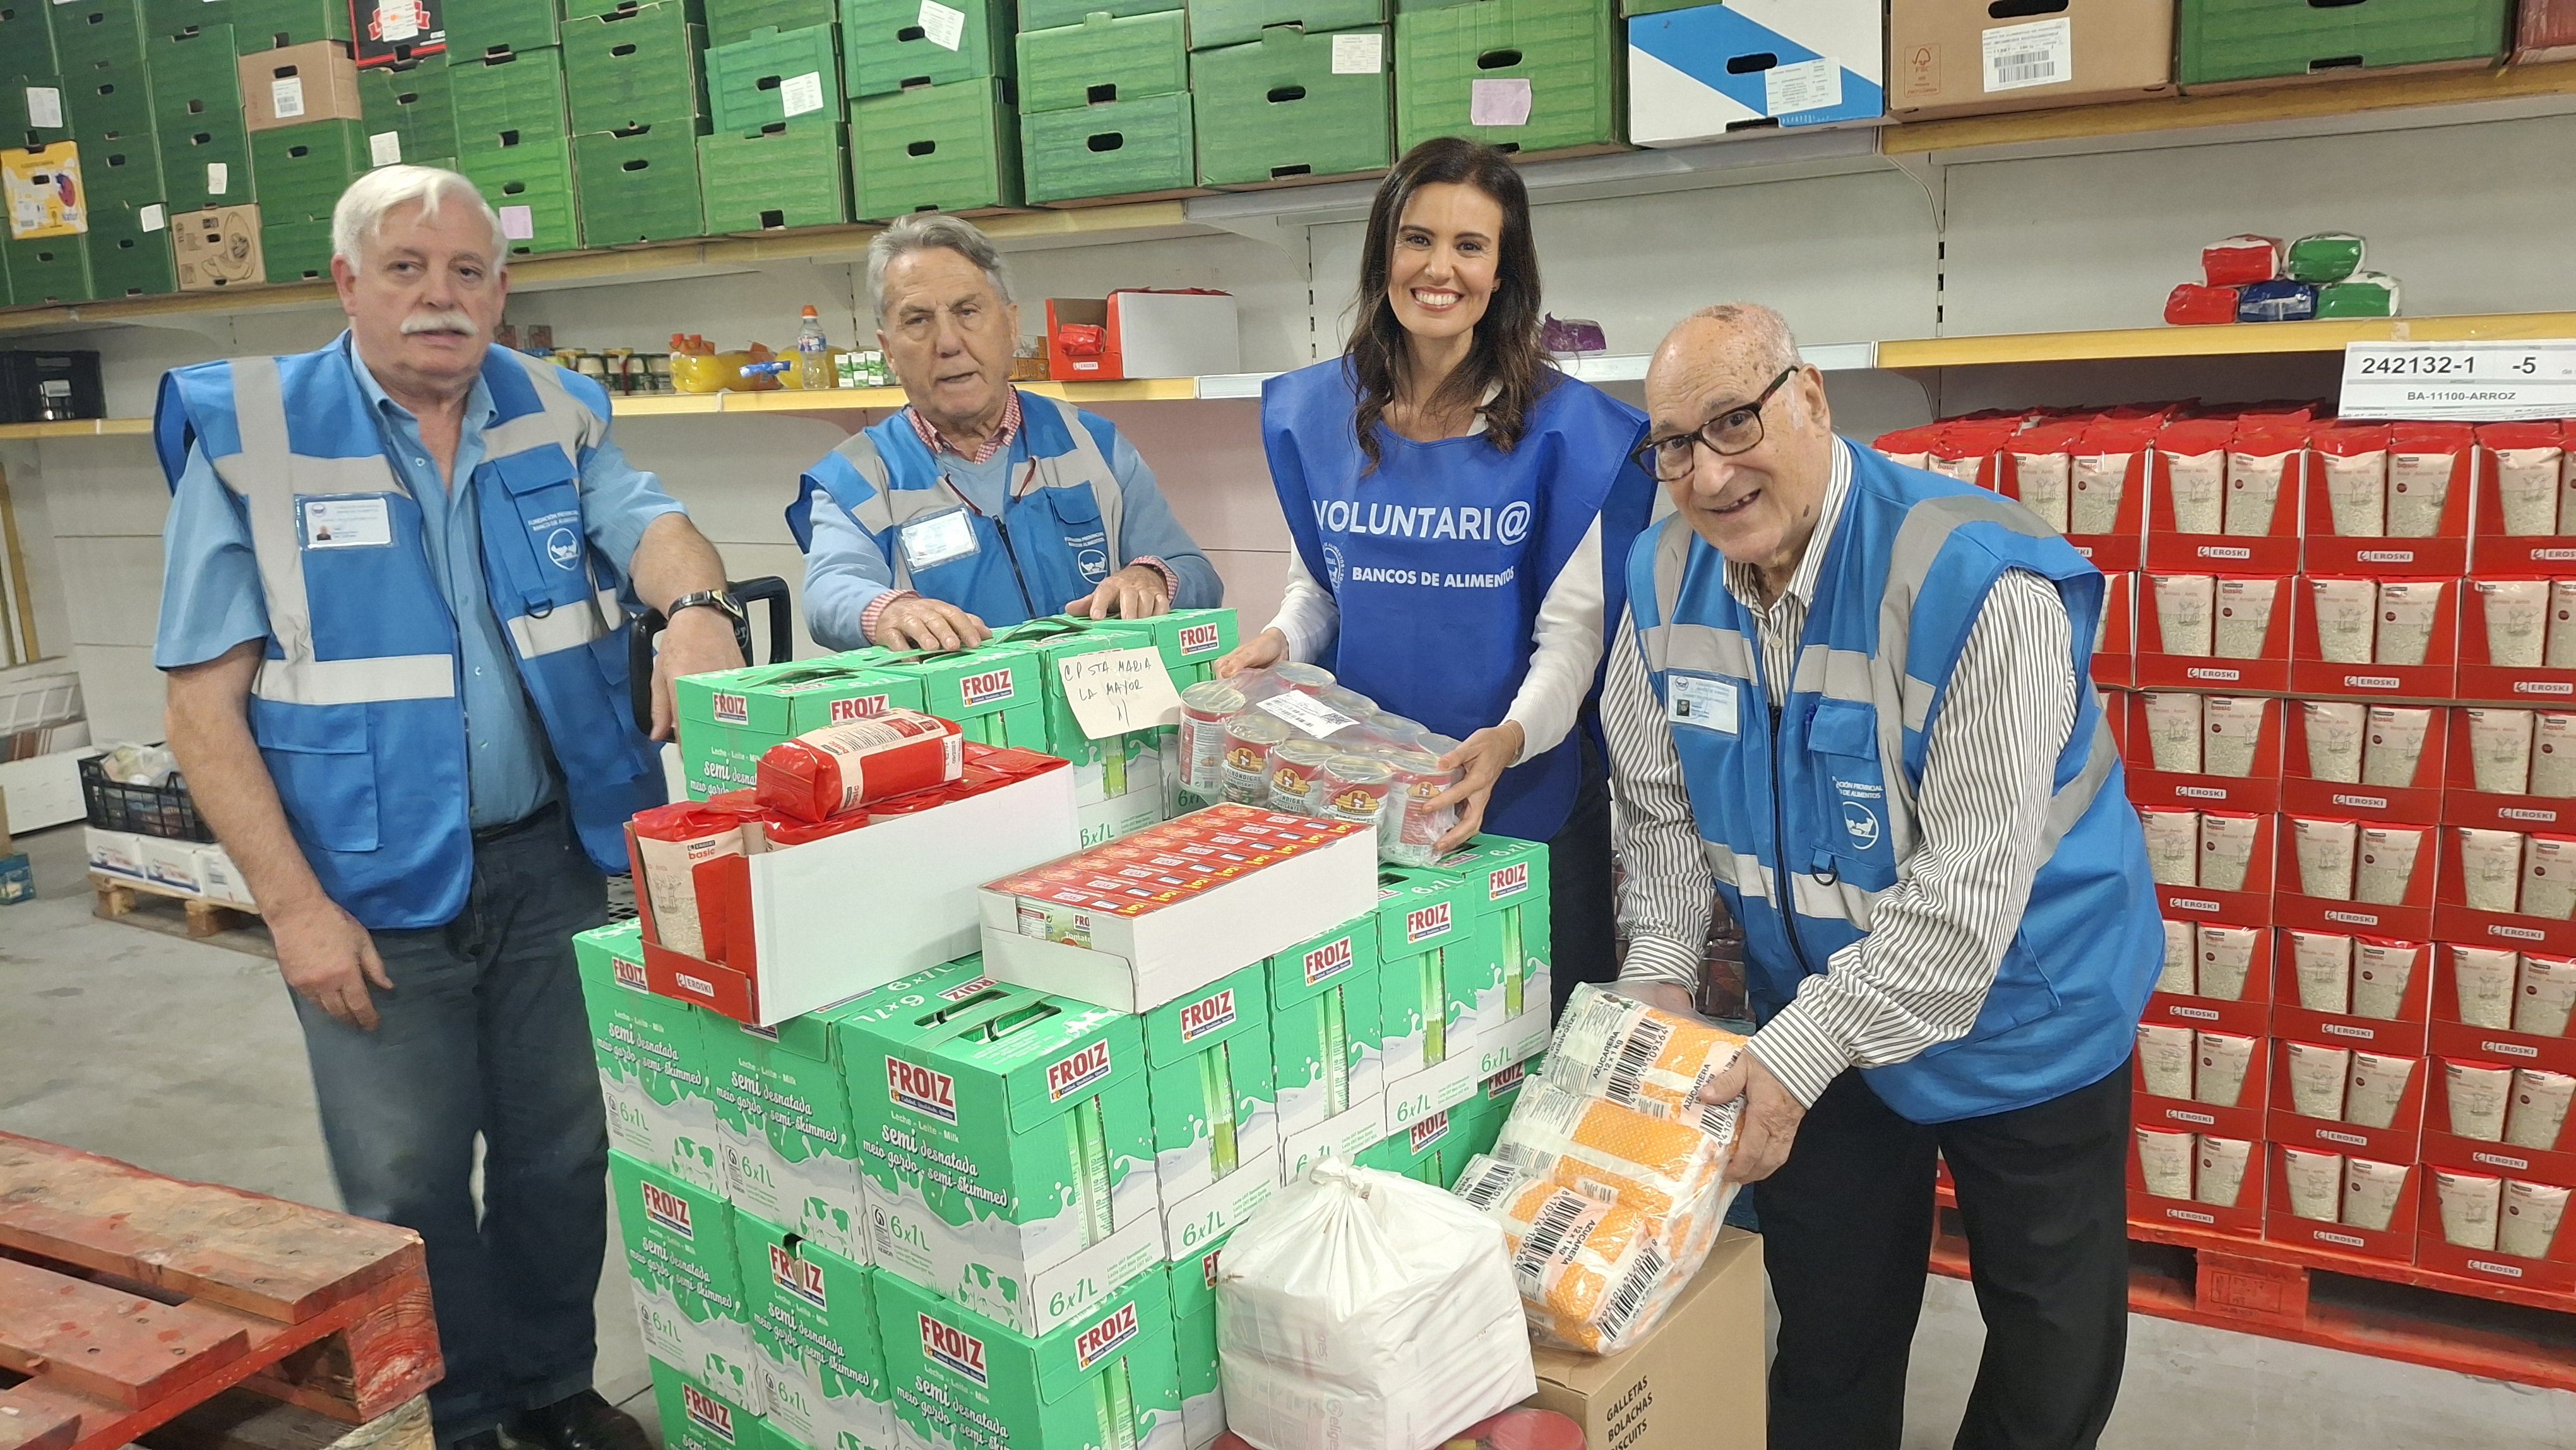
(357, 708)
(1440, 559)
(1063, 532)
(1818, 799)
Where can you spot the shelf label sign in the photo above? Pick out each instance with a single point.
(2468, 382)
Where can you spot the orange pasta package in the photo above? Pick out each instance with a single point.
(1665, 1168)
(1613, 1047)
(1591, 1274)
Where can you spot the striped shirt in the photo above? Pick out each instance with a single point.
(1937, 937)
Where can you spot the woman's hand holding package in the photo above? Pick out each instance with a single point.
(1479, 762)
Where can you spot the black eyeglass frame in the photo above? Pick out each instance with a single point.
(1644, 454)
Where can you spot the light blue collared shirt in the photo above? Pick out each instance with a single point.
(211, 598)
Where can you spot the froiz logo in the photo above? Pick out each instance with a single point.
(669, 1210)
(1508, 881)
(797, 1277)
(1426, 921)
(986, 688)
(1207, 1015)
(1077, 1072)
(969, 989)
(630, 975)
(732, 709)
(1100, 1340)
(563, 548)
(707, 1411)
(863, 708)
(1328, 960)
(1430, 1130)
(918, 1088)
(1199, 639)
(953, 1348)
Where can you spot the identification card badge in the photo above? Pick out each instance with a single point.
(347, 523)
(935, 539)
(1701, 701)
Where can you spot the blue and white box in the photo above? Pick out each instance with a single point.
(1698, 74)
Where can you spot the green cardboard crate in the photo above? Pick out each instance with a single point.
(814, 1328)
(1502, 969)
(728, 718)
(1216, 1110)
(1049, 14)
(695, 1416)
(2238, 40)
(95, 35)
(17, 122)
(123, 172)
(1293, 104)
(887, 50)
(784, 1119)
(170, 17)
(631, 67)
(639, 184)
(654, 1065)
(269, 24)
(27, 38)
(1570, 69)
(1104, 58)
(1325, 1041)
(530, 185)
(1433, 1149)
(1431, 965)
(1008, 1149)
(47, 270)
(303, 169)
(206, 165)
(129, 250)
(1118, 785)
(506, 98)
(487, 27)
(108, 103)
(1193, 1290)
(414, 103)
(295, 251)
(752, 81)
(687, 1277)
(1106, 1379)
(729, 21)
(936, 148)
(1216, 23)
(1126, 148)
(779, 176)
(196, 78)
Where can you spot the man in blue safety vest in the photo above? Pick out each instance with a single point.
(1853, 702)
(977, 506)
(394, 623)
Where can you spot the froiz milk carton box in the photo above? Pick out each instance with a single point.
(789, 1153)
(687, 1278)
(1216, 1120)
(1006, 1139)
(814, 1333)
(1433, 967)
(652, 1056)
(1105, 1380)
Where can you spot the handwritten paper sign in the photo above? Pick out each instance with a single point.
(1113, 691)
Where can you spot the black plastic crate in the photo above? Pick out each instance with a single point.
(48, 387)
(146, 810)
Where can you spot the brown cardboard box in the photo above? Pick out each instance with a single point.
(2101, 50)
(297, 84)
(216, 247)
(1696, 1383)
(2548, 31)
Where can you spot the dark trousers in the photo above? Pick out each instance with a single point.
(1846, 1225)
(1584, 916)
(484, 1036)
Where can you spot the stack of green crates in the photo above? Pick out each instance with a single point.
(411, 113)
(272, 24)
(498, 27)
(1558, 62)
(2223, 41)
(197, 111)
(1105, 99)
(933, 115)
(638, 102)
(513, 142)
(1290, 89)
(778, 155)
(107, 98)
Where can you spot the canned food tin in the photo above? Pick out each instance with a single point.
(1205, 707)
(1347, 700)
(1293, 769)
(1249, 741)
(1411, 834)
(1355, 788)
(1305, 679)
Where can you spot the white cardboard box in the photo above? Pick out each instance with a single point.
(117, 853)
(223, 879)
(1754, 67)
(1176, 334)
(173, 865)
(1135, 964)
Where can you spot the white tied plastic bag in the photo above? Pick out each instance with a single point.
(1360, 1308)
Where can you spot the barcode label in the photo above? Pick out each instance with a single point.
(1645, 1045)
(2038, 54)
(1718, 1120)
(1487, 1180)
(1550, 1241)
(1619, 1312)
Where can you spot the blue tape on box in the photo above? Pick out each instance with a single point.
(1696, 74)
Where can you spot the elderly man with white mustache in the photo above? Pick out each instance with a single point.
(394, 622)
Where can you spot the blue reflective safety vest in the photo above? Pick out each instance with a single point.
(1440, 559)
(357, 707)
(1062, 534)
(1809, 816)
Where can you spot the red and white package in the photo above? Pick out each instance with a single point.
(670, 843)
(2241, 259)
(839, 768)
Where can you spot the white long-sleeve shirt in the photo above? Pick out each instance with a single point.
(1937, 937)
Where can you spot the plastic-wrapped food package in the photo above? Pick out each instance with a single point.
(2241, 259)
(839, 768)
(1294, 739)
(1667, 1168)
(1362, 1308)
(1615, 1047)
(1589, 1271)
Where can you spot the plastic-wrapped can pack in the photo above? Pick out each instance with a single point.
(1590, 1271)
(1618, 1048)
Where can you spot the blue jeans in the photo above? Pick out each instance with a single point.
(484, 1035)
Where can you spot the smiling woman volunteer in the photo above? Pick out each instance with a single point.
(1452, 498)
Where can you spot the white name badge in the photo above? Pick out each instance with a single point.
(347, 523)
(936, 539)
(1698, 700)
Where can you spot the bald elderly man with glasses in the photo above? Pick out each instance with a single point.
(1852, 701)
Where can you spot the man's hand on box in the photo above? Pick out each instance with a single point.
(696, 642)
(924, 623)
(1138, 591)
(328, 958)
(1770, 1121)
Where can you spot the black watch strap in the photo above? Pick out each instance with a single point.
(713, 598)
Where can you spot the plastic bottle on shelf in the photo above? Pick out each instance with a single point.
(813, 354)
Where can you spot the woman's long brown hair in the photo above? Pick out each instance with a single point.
(1506, 357)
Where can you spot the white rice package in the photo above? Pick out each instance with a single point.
(1360, 1308)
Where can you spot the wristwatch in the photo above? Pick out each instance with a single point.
(712, 598)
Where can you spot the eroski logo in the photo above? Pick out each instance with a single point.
(1207, 1015)
(1077, 1072)
(954, 1349)
(986, 688)
(913, 1086)
(669, 1210)
(1097, 1342)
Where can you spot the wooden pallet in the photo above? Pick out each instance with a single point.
(128, 1299)
(121, 897)
(2335, 1301)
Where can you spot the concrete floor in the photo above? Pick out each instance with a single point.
(185, 1058)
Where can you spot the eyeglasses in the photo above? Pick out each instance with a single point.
(1737, 430)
